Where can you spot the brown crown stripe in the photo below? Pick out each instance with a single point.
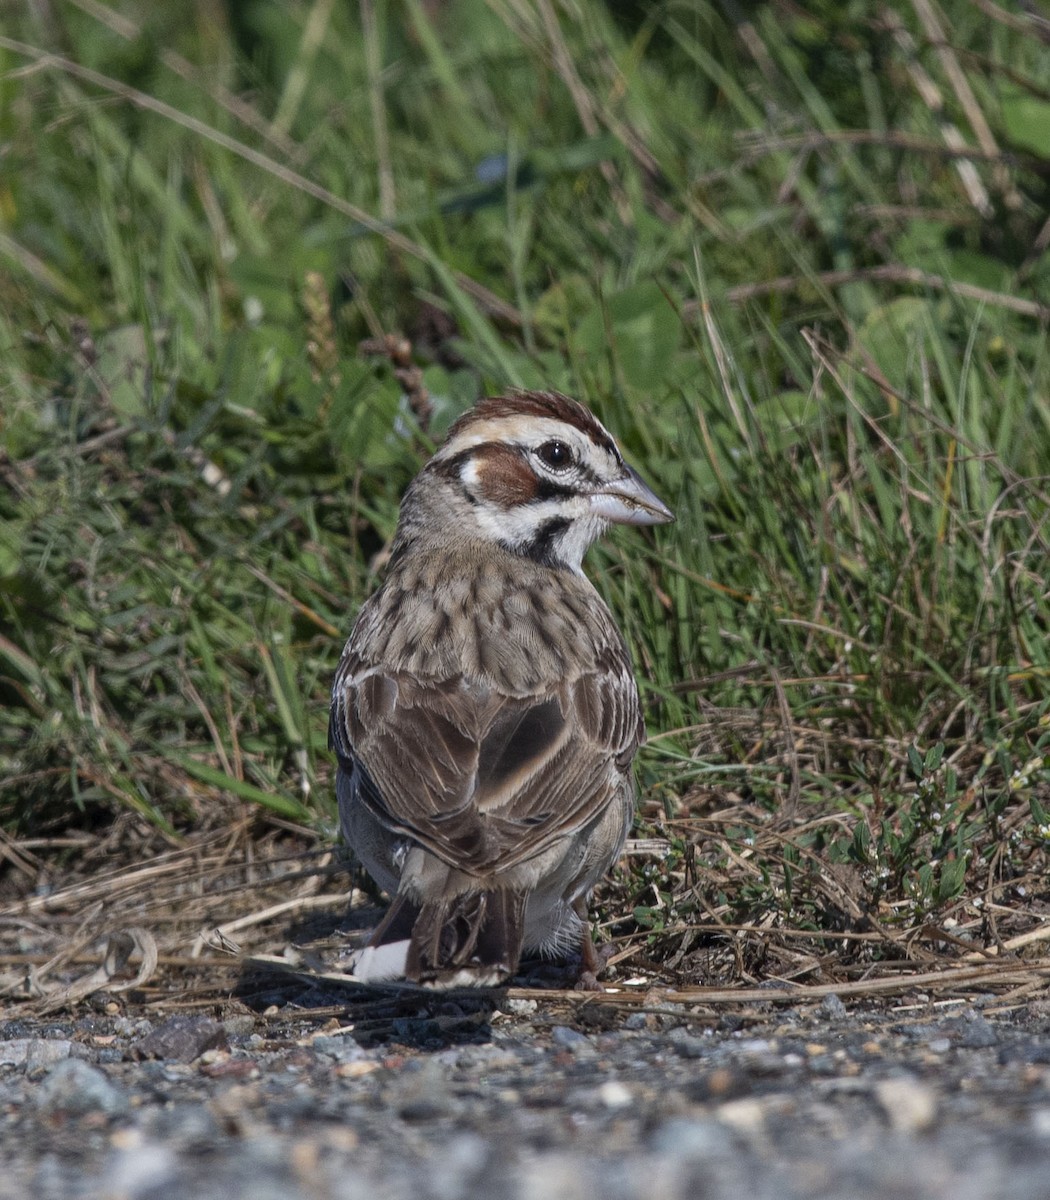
(536, 404)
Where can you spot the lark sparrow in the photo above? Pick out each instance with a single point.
(484, 713)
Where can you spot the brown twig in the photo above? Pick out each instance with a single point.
(399, 350)
(931, 24)
(931, 96)
(889, 273)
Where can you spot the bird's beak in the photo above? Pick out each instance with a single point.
(630, 501)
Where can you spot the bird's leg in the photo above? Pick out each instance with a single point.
(593, 960)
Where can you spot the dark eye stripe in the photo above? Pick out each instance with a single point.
(547, 489)
(514, 466)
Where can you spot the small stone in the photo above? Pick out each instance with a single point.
(75, 1088)
(910, 1106)
(745, 1116)
(574, 1041)
(684, 1138)
(126, 1027)
(687, 1045)
(240, 1025)
(38, 1052)
(181, 1039)
(343, 1048)
(185, 1124)
(977, 1034)
(614, 1094)
(354, 1070)
(519, 1008)
(425, 1093)
(142, 1170)
(833, 1007)
(1028, 1051)
(231, 1068)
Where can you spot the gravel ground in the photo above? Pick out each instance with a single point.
(448, 1097)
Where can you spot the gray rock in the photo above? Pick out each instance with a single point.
(38, 1052)
(425, 1094)
(686, 1044)
(572, 1040)
(685, 1137)
(831, 1006)
(975, 1033)
(75, 1088)
(342, 1048)
(181, 1039)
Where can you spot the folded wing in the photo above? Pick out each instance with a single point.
(482, 780)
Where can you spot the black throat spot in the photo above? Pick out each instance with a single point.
(541, 547)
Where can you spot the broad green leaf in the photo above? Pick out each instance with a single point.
(1027, 121)
(639, 329)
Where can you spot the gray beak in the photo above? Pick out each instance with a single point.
(630, 501)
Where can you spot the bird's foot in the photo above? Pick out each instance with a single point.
(595, 960)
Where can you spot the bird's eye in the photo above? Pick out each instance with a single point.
(555, 455)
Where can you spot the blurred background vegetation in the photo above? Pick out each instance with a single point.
(795, 256)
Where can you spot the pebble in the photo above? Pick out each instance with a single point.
(520, 1008)
(910, 1106)
(572, 1040)
(745, 1115)
(182, 1039)
(684, 1137)
(75, 1088)
(342, 1048)
(833, 1008)
(976, 1033)
(614, 1094)
(240, 1025)
(38, 1052)
(783, 1109)
(424, 1093)
(686, 1044)
(142, 1170)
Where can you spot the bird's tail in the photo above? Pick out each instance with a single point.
(470, 940)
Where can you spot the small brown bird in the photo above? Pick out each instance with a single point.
(484, 714)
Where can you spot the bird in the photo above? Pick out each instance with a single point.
(485, 714)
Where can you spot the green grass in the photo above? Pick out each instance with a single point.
(819, 332)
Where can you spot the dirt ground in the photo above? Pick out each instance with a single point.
(514, 1096)
(174, 1028)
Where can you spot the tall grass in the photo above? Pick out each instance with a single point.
(795, 265)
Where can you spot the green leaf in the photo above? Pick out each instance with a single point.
(1027, 121)
(891, 332)
(277, 803)
(123, 359)
(641, 331)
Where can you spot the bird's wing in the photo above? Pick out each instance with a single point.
(484, 780)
